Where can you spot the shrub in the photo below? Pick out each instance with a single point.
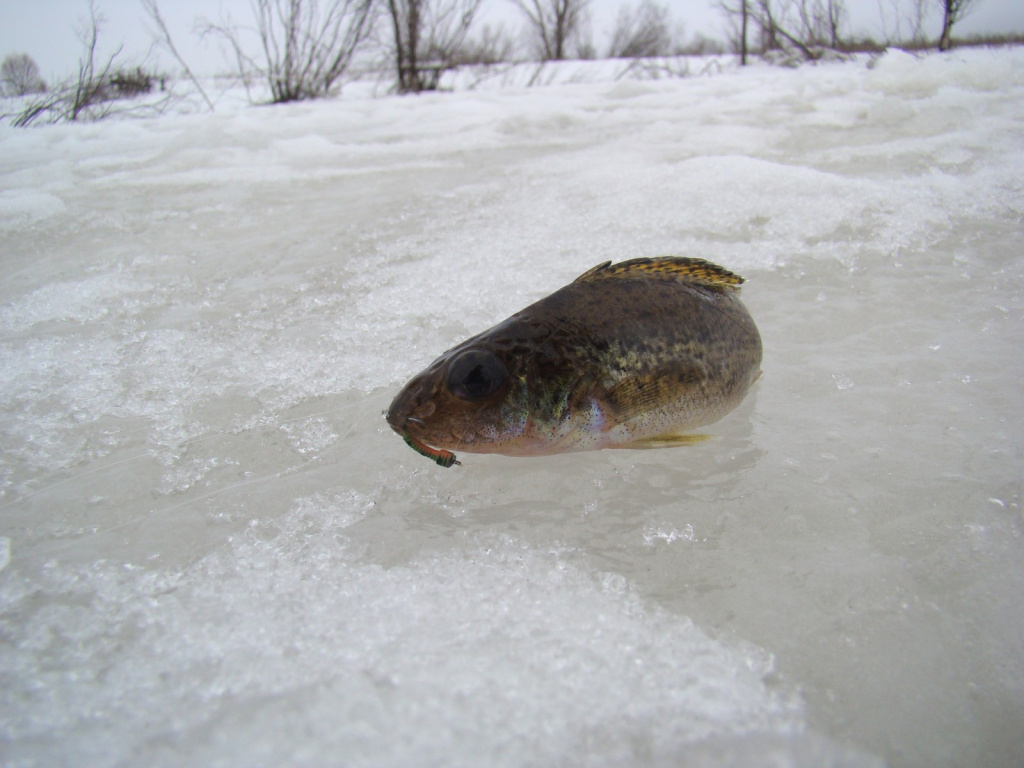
(125, 83)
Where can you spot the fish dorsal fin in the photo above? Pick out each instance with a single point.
(594, 273)
(680, 268)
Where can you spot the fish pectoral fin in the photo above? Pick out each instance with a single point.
(681, 268)
(644, 392)
(663, 441)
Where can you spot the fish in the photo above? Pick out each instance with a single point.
(636, 354)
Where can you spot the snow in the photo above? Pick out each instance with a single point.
(214, 551)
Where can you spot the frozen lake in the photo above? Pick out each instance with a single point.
(215, 552)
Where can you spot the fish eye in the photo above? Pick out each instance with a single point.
(475, 374)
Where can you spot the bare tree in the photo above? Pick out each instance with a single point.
(790, 26)
(818, 22)
(492, 46)
(737, 14)
(88, 94)
(305, 46)
(952, 12)
(427, 36)
(641, 32)
(902, 24)
(153, 12)
(835, 18)
(774, 21)
(89, 87)
(554, 24)
(919, 11)
(407, 26)
(19, 75)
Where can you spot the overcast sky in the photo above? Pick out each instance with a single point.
(45, 29)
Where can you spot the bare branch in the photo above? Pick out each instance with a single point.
(738, 16)
(95, 92)
(151, 8)
(554, 24)
(641, 32)
(427, 36)
(807, 26)
(305, 47)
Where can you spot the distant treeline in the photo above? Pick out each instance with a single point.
(301, 49)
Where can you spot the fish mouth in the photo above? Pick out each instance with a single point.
(400, 412)
(419, 423)
(401, 423)
(396, 419)
(399, 420)
(410, 407)
(413, 429)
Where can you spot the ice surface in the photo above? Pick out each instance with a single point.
(216, 552)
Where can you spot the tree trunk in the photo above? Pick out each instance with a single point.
(744, 13)
(559, 41)
(396, 25)
(412, 59)
(946, 40)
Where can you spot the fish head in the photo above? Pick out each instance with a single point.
(473, 398)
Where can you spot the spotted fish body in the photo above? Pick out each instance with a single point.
(631, 355)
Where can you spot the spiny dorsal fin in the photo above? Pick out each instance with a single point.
(680, 268)
(593, 272)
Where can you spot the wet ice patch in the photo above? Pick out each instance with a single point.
(310, 436)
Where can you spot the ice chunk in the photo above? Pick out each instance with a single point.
(479, 655)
